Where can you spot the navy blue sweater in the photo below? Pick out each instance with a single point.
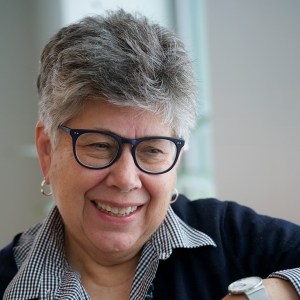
(247, 244)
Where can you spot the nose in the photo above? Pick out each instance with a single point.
(124, 174)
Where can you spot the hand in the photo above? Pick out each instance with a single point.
(276, 288)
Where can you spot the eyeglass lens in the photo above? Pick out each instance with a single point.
(97, 150)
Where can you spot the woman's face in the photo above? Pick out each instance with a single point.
(80, 192)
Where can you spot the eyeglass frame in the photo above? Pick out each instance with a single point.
(76, 133)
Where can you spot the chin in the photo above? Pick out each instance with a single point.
(117, 243)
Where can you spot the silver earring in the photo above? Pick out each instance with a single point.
(43, 187)
(174, 196)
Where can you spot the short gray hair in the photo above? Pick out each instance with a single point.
(123, 59)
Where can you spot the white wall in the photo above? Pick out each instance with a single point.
(254, 49)
(24, 28)
(157, 10)
(19, 172)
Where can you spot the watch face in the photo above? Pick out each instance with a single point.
(244, 285)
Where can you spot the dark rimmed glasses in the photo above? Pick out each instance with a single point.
(96, 149)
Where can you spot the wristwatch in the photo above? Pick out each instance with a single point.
(252, 287)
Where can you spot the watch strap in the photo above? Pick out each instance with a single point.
(258, 294)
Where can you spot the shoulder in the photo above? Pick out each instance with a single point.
(8, 267)
(203, 211)
(228, 220)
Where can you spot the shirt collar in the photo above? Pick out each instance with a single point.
(43, 270)
(177, 234)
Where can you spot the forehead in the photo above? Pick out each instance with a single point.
(127, 121)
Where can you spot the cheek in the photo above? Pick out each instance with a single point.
(161, 185)
(65, 176)
(160, 190)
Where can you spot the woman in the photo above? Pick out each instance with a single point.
(117, 104)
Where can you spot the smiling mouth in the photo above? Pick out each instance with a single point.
(115, 211)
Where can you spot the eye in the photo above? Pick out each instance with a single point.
(152, 150)
(100, 146)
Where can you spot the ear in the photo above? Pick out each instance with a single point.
(44, 149)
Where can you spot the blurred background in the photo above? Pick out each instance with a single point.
(246, 146)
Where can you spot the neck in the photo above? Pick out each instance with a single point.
(113, 282)
(102, 274)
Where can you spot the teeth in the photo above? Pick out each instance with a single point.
(115, 211)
